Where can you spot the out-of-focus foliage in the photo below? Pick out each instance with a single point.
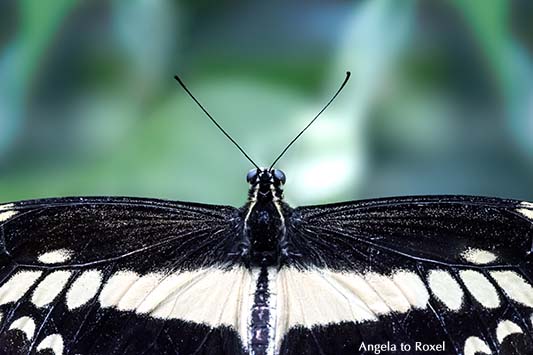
(440, 100)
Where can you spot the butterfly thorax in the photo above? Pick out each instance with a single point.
(264, 223)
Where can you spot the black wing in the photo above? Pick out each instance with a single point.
(452, 272)
(73, 246)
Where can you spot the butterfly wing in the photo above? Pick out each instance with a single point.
(451, 273)
(143, 276)
(114, 276)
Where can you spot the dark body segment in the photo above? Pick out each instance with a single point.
(264, 220)
(261, 327)
(264, 228)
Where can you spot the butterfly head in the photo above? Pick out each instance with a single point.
(266, 182)
(274, 177)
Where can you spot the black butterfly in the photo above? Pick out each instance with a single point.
(408, 275)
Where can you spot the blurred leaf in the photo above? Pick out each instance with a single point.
(509, 62)
(489, 20)
(40, 21)
(330, 160)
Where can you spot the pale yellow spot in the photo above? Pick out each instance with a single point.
(526, 212)
(4, 216)
(478, 256)
(55, 256)
(446, 289)
(506, 328)
(24, 324)
(475, 345)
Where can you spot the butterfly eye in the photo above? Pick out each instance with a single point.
(279, 176)
(251, 176)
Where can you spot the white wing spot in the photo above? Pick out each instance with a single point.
(83, 289)
(4, 216)
(25, 324)
(514, 286)
(169, 288)
(115, 288)
(412, 287)
(17, 286)
(317, 297)
(50, 287)
(478, 256)
(7, 206)
(177, 295)
(352, 287)
(474, 345)
(53, 342)
(526, 204)
(524, 211)
(506, 328)
(138, 291)
(221, 292)
(55, 256)
(481, 288)
(446, 289)
(389, 292)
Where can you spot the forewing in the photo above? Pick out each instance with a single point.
(450, 270)
(75, 274)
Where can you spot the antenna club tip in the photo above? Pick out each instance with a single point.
(348, 73)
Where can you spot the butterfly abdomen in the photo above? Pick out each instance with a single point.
(261, 329)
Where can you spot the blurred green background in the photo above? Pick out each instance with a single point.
(440, 100)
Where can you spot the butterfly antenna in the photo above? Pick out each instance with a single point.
(313, 120)
(214, 121)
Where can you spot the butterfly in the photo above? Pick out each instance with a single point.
(405, 275)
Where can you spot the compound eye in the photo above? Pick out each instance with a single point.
(252, 175)
(279, 176)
